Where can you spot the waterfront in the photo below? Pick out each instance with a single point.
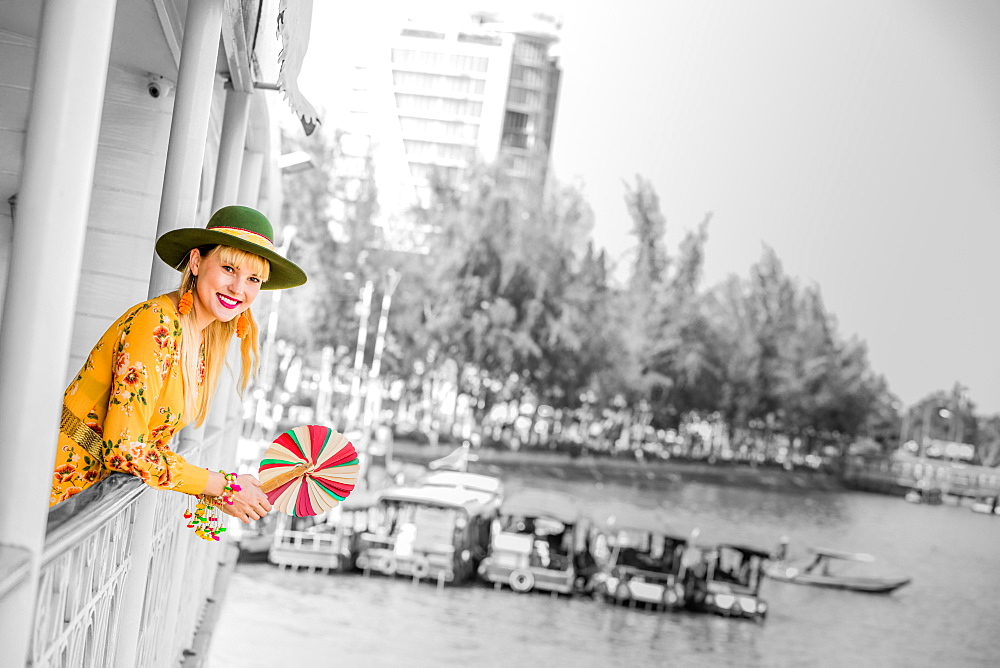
(945, 617)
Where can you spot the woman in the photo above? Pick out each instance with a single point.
(157, 367)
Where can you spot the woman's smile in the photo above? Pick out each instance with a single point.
(227, 302)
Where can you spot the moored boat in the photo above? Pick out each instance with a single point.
(437, 533)
(725, 579)
(536, 544)
(640, 557)
(329, 541)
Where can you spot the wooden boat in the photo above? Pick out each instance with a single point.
(821, 571)
(537, 543)
(639, 557)
(329, 541)
(725, 579)
(429, 532)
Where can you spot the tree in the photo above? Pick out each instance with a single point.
(682, 347)
(332, 230)
(516, 288)
(642, 303)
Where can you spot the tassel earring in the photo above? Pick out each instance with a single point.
(186, 303)
(242, 325)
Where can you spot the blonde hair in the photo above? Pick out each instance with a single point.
(217, 336)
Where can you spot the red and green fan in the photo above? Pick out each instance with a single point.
(308, 470)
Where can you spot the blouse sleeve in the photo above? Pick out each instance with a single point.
(141, 361)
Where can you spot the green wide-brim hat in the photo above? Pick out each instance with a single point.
(240, 227)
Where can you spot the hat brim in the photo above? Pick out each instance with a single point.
(174, 246)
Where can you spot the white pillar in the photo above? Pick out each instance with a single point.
(234, 133)
(178, 207)
(250, 175)
(188, 129)
(47, 250)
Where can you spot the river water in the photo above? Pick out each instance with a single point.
(946, 617)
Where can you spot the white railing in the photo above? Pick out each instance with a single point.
(91, 551)
(78, 605)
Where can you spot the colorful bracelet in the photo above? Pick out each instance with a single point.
(230, 488)
(203, 518)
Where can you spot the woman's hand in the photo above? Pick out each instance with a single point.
(249, 503)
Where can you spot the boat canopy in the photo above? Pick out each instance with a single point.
(472, 501)
(474, 481)
(620, 516)
(839, 554)
(542, 503)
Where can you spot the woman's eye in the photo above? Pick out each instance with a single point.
(254, 279)
(227, 268)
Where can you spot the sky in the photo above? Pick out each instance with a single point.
(860, 139)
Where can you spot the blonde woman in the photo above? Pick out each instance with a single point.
(157, 367)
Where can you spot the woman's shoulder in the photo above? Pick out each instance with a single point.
(153, 314)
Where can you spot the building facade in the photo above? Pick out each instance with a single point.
(452, 95)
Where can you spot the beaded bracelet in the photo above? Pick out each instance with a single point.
(203, 516)
(230, 488)
(205, 522)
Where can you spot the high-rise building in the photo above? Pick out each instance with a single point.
(452, 94)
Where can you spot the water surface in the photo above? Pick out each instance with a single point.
(946, 616)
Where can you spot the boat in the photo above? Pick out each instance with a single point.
(725, 579)
(931, 496)
(829, 568)
(987, 505)
(537, 544)
(329, 541)
(429, 532)
(639, 557)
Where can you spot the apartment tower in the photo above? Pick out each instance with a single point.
(483, 89)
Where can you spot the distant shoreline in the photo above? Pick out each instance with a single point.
(652, 473)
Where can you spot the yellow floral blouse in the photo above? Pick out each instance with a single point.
(131, 392)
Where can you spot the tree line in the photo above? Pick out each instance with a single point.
(506, 297)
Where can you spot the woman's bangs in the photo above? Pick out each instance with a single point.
(243, 259)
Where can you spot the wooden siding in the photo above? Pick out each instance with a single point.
(124, 206)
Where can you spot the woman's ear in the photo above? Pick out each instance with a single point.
(194, 259)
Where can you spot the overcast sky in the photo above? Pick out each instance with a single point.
(858, 138)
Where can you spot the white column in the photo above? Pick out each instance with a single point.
(234, 133)
(59, 154)
(178, 208)
(250, 175)
(188, 129)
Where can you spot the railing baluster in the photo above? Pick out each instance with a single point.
(86, 563)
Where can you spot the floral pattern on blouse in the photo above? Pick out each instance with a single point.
(130, 391)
